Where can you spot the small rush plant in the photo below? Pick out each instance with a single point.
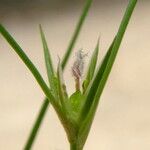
(75, 112)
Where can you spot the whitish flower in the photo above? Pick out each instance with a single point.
(78, 66)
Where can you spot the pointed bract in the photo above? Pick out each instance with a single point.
(91, 68)
(49, 65)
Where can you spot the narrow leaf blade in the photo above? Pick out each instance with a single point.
(92, 89)
(36, 126)
(86, 124)
(98, 81)
(27, 62)
(49, 65)
(76, 32)
(98, 88)
(48, 60)
(91, 67)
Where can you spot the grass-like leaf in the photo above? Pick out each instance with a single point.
(90, 93)
(28, 63)
(48, 60)
(76, 32)
(37, 124)
(39, 79)
(86, 124)
(91, 67)
(99, 82)
(49, 64)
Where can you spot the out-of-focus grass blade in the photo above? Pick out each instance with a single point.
(91, 67)
(36, 125)
(76, 32)
(99, 82)
(27, 62)
(49, 64)
(61, 85)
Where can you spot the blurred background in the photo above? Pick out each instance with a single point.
(123, 117)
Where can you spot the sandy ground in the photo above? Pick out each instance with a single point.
(123, 117)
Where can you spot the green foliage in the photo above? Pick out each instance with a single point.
(91, 68)
(86, 124)
(28, 63)
(37, 124)
(76, 100)
(76, 112)
(75, 104)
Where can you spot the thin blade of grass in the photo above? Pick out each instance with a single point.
(91, 67)
(39, 79)
(85, 126)
(37, 124)
(100, 81)
(48, 60)
(27, 62)
(49, 64)
(76, 32)
(115, 47)
(96, 90)
(92, 89)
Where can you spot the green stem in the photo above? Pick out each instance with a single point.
(37, 124)
(73, 146)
